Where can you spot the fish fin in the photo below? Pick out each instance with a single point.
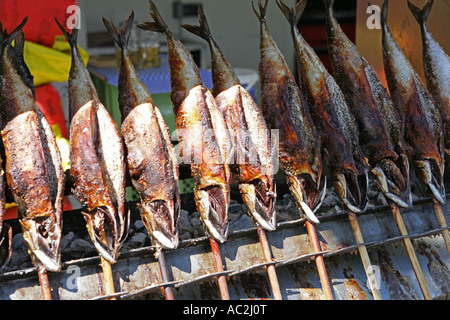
(293, 15)
(71, 37)
(262, 9)
(120, 36)
(421, 15)
(158, 25)
(202, 30)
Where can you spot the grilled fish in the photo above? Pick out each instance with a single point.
(97, 161)
(286, 110)
(151, 159)
(202, 132)
(437, 69)
(332, 118)
(250, 137)
(380, 129)
(423, 124)
(33, 165)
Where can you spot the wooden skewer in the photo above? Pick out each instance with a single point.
(168, 291)
(273, 279)
(442, 222)
(363, 253)
(223, 287)
(45, 284)
(411, 253)
(319, 261)
(108, 278)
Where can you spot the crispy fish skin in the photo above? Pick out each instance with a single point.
(33, 165)
(151, 159)
(436, 65)
(201, 130)
(285, 109)
(251, 155)
(423, 124)
(97, 160)
(335, 124)
(372, 107)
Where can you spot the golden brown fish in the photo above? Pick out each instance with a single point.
(380, 128)
(250, 137)
(97, 160)
(286, 110)
(151, 159)
(202, 132)
(33, 166)
(436, 64)
(332, 118)
(423, 124)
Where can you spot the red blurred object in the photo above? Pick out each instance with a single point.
(49, 102)
(41, 27)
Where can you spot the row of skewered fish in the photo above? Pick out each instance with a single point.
(347, 122)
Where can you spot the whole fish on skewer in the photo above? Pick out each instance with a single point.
(436, 65)
(97, 160)
(380, 128)
(285, 109)
(250, 138)
(332, 118)
(423, 124)
(202, 132)
(33, 165)
(151, 159)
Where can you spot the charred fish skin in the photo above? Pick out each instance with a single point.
(33, 164)
(97, 160)
(251, 154)
(285, 109)
(380, 132)
(423, 124)
(151, 159)
(436, 65)
(202, 132)
(333, 120)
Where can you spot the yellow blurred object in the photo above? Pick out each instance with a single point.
(50, 64)
(63, 145)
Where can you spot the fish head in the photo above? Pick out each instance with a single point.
(259, 198)
(392, 178)
(212, 204)
(42, 235)
(308, 194)
(430, 174)
(5, 244)
(351, 189)
(160, 217)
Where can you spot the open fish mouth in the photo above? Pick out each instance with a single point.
(307, 195)
(212, 203)
(351, 189)
(426, 172)
(260, 203)
(5, 244)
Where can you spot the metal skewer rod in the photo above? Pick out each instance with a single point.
(363, 254)
(168, 291)
(319, 261)
(107, 274)
(273, 279)
(223, 287)
(411, 253)
(443, 223)
(45, 284)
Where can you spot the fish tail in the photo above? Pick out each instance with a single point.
(5, 38)
(120, 36)
(329, 5)
(293, 15)
(71, 37)
(158, 25)
(261, 14)
(421, 15)
(384, 13)
(201, 30)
